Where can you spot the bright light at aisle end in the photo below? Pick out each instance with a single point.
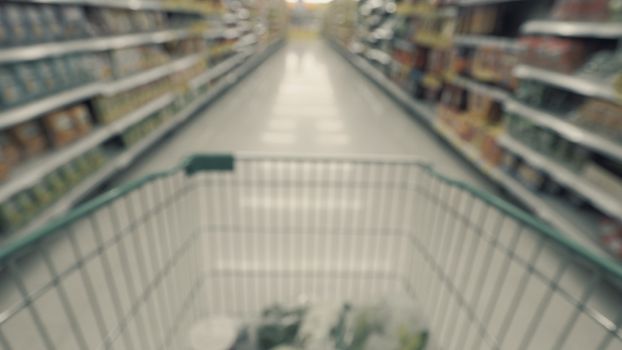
(309, 1)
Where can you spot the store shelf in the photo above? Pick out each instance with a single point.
(482, 2)
(475, 86)
(128, 4)
(575, 83)
(38, 51)
(425, 112)
(598, 197)
(601, 30)
(15, 115)
(488, 41)
(128, 157)
(29, 174)
(218, 70)
(556, 213)
(136, 80)
(566, 129)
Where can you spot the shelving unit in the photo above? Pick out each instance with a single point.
(578, 84)
(196, 77)
(570, 131)
(34, 109)
(600, 30)
(473, 138)
(485, 40)
(33, 172)
(38, 51)
(548, 209)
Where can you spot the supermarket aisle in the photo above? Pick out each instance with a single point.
(306, 99)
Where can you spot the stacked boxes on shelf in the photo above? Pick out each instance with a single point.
(531, 101)
(112, 76)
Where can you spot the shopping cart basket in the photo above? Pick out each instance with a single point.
(229, 235)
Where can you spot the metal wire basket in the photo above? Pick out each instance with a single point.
(223, 234)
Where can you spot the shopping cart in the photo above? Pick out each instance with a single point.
(229, 235)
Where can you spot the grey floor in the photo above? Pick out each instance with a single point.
(306, 99)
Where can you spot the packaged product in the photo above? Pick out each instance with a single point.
(70, 174)
(531, 177)
(56, 184)
(601, 116)
(11, 92)
(79, 68)
(559, 54)
(62, 76)
(582, 10)
(42, 195)
(5, 36)
(60, 127)
(611, 235)
(51, 22)
(16, 24)
(509, 162)
(45, 72)
(10, 215)
(96, 157)
(30, 137)
(74, 22)
(29, 80)
(33, 16)
(26, 204)
(5, 168)
(9, 150)
(81, 119)
(83, 166)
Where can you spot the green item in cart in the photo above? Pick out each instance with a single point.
(10, 215)
(279, 326)
(412, 341)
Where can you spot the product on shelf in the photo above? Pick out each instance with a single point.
(494, 65)
(23, 206)
(74, 22)
(558, 101)
(587, 10)
(15, 23)
(565, 55)
(27, 81)
(602, 117)
(10, 150)
(60, 127)
(611, 235)
(110, 108)
(11, 92)
(11, 215)
(605, 174)
(30, 138)
(81, 119)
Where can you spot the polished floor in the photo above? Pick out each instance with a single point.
(307, 99)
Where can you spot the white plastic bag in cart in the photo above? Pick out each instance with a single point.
(214, 333)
